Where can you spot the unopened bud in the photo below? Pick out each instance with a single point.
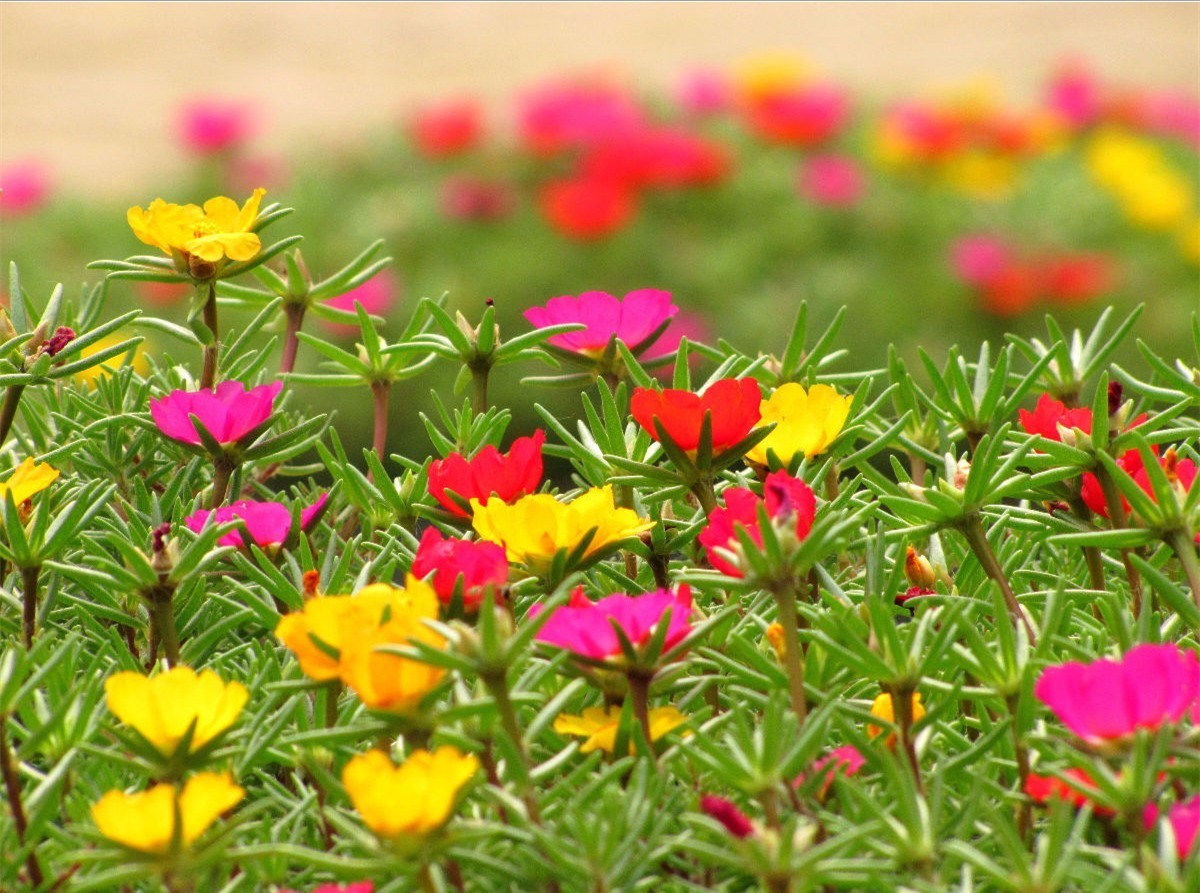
(1115, 393)
(917, 568)
(961, 472)
(62, 336)
(310, 584)
(161, 559)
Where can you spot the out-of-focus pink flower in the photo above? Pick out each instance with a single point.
(1074, 94)
(803, 116)
(356, 887)
(1184, 819)
(1170, 114)
(587, 208)
(208, 126)
(845, 759)
(248, 172)
(162, 293)
(785, 497)
(478, 564)
(23, 187)
(703, 92)
(1108, 700)
(632, 319)
(447, 129)
(977, 260)
(656, 158)
(585, 628)
(228, 412)
(568, 116)
(736, 822)
(377, 295)
(268, 523)
(832, 180)
(682, 325)
(464, 197)
(1050, 416)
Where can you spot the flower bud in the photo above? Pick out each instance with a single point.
(727, 813)
(917, 569)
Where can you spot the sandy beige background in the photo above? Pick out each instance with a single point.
(92, 87)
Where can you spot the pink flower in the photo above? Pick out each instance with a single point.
(268, 523)
(465, 197)
(1075, 95)
(356, 887)
(801, 117)
(377, 296)
(727, 813)
(564, 116)
(845, 759)
(632, 319)
(478, 564)
(1184, 819)
(978, 260)
(23, 187)
(704, 92)
(1108, 700)
(228, 412)
(835, 181)
(210, 126)
(587, 628)
(785, 497)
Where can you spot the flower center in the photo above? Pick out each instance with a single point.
(204, 228)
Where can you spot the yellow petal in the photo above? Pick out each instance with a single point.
(144, 821)
(205, 796)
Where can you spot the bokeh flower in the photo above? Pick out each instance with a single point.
(377, 296)
(632, 319)
(267, 523)
(448, 129)
(883, 708)
(210, 126)
(806, 422)
(456, 480)
(27, 480)
(466, 197)
(24, 186)
(599, 725)
(135, 357)
(1045, 788)
(1184, 819)
(844, 760)
(835, 181)
(587, 208)
(536, 528)
(163, 708)
(1106, 700)
(146, 821)
(572, 115)
(228, 412)
(589, 629)
(734, 404)
(788, 500)
(475, 566)
(411, 800)
(732, 819)
(218, 230)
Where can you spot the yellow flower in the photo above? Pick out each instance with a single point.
(220, 229)
(599, 726)
(807, 422)
(535, 528)
(134, 357)
(1189, 240)
(1162, 200)
(314, 634)
(766, 75)
(162, 708)
(882, 709)
(146, 821)
(28, 479)
(392, 617)
(409, 800)
(775, 638)
(982, 175)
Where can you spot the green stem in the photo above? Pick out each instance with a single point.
(1116, 514)
(380, 391)
(222, 471)
(333, 691)
(639, 693)
(1185, 548)
(12, 787)
(793, 657)
(972, 529)
(29, 594)
(1025, 810)
(425, 878)
(479, 396)
(295, 319)
(208, 378)
(497, 686)
(706, 494)
(902, 704)
(8, 411)
(162, 619)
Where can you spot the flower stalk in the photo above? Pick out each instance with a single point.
(208, 377)
(793, 657)
(12, 789)
(29, 597)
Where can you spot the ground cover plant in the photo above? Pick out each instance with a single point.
(786, 618)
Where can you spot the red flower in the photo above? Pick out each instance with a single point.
(1049, 414)
(733, 403)
(1044, 788)
(802, 117)
(1181, 472)
(447, 129)
(477, 564)
(587, 207)
(1077, 278)
(659, 158)
(1011, 291)
(510, 476)
(783, 494)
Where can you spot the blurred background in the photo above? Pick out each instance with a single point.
(947, 171)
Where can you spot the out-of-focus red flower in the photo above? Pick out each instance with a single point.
(569, 116)
(447, 129)
(24, 186)
(1012, 291)
(1044, 788)
(209, 126)
(736, 822)
(657, 158)
(356, 887)
(785, 497)
(464, 197)
(835, 181)
(162, 293)
(845, 759)
(734, 404)
(1050, 416)
(1074, 278)
(478, 564)
(488, 473)
(587, 207)
(802, 116)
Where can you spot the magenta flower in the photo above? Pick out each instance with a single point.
(228, 412)
(703, 92)
(210, 126)
(587, 628)
(477, 564)
(834, 181)
(736, 822)
(564, 116)
(23, 187)
(356, 887)
(268, 523)
(977, 260)
(845, 759)
(1184, 819)
(786, 498)
(1109, 700)
(633, 318)
(377, 296)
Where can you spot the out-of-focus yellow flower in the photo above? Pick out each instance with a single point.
(882, 708)
(1189, 240)
(134, 357)
(1161, 201)
(162, 708)
(387, 681)
(409, 800)
(146, 821)
(806, 422)
(775, 638)
(599, 726)
(1152, 194)
(28, 479)
(535, 528)
(984, 175)
(768, 74)
(218, 230)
